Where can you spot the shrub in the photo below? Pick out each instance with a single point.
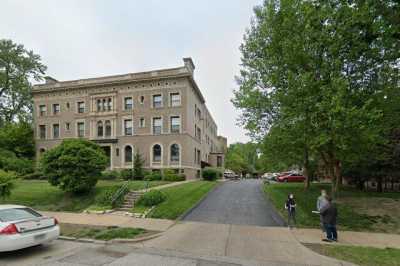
(171, 175)
(126, 174)
(37, 175)
(210, 174)
(151, 198)
(6, 183)
(138, 173)
(105, 197)
(10, 162)
(154, 176)
(75, 165)
(110, 175)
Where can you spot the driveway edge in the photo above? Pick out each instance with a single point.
(182, 216)
(112, 241)
(267, 198)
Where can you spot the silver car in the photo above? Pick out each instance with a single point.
(22, 227)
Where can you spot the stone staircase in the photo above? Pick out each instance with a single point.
(130, 198)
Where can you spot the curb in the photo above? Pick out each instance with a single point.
(266, 197)
(182, 216)
(112, 241)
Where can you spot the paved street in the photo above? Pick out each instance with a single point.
(237, 202)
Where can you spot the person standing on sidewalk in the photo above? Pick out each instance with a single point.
(290, 205)
(329, 216)
(321, 203)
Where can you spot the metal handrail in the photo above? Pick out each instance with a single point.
(119, 192)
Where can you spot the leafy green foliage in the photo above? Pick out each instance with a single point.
(316, 77)
(171, 175)
(138, 172)
(153, 176)
(10, 162)
(110, 175)
(126, 174)
(100, 232)
(242, 158)
(17, 67)
(18, 138)
(152, 198)
(6, 183)
(107, 197)
(75, 165)
(210, 174)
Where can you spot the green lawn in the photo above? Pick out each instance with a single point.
(40, 195)
(358, 210)
(365, 256)
(99, 232)
(181, 198)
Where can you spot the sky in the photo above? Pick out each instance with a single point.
(86, 38)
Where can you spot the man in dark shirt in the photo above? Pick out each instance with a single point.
(329, 215)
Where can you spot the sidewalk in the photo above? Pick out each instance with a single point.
(173, 184)
(111, 219)
(377, 240)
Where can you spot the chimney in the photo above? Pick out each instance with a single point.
(50, 80)
(189, 64)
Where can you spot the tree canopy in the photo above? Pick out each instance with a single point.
(18, 67)
(315, 77)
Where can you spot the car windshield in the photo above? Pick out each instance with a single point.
(17, 214)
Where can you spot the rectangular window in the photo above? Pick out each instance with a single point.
(175, 124)
(81, 107)
(81, 129)
(199, 134)
(67, 126)
(157, 125)
(219, 161)
(198, 157)
(157, 101)
(128, 103)
(142, 122)
(128, 127)
(42, 132)
(42, 110)
(56, 109)
(175, 99)
(56, 131)
(109, 104)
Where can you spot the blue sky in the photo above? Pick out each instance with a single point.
(80, 39)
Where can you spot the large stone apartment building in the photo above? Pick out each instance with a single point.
(161, 114)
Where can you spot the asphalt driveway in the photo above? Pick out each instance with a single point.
(237, 202)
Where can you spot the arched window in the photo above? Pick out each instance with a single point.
(128, 154)
(98, 105)
(174, 153)
(104, 106)
(157, 153)
(99, 129)
(108, 128)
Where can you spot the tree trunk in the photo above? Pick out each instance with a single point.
(306, 171)
(379, 186)
(338, 174)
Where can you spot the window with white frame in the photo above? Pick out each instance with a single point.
(128, 154)
(128, 103)
(157, 153)
(81, 107)
(42, 110)
(56, 109)
(107, 125)
(157, 101)
(42, 131)
(175, 124)
(56, 131)
(100, 129)
(142, 122)
(175, 99)
(174, 156)
(157, 125)
(67, 126)
(81, 129)
(128, 130)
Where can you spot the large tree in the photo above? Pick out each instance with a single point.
(316, 71)
(18, 67)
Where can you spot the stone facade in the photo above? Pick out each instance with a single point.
(161, 114)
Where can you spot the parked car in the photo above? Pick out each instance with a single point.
(230, 174)
(291, 178)
(22, 227)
